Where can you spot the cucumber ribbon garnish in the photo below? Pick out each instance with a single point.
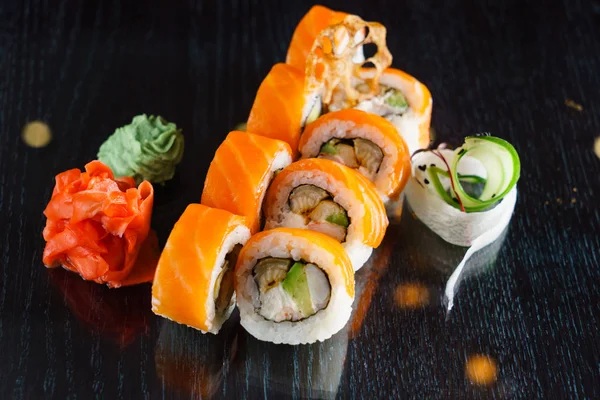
(466, 196)
(500, 162)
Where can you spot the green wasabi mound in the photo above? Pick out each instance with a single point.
(148, 148)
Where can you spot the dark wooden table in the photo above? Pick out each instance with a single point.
(530, 304)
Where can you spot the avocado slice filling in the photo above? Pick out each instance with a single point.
(314, 113)
(395, 99)
(296, 285)
(338, 219)
(329, 147)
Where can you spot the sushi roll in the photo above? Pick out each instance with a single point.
(316, 19)
(340, 80)
(325, 196)
(365, 142)
(240, 173)
(193, 284)
(282, 107)
(293, 286)
(400, 98)
(405, 102)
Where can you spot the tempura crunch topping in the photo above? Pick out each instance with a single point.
(330, 62)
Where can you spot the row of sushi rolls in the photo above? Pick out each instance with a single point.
(294, 202)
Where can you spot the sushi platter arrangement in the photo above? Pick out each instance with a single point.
(294, 204)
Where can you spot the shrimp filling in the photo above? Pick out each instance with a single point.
(290, 290)
(360, 154)
(313, 208)
(223, 290)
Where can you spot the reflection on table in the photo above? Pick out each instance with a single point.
(120, 314)
(305, 371)
(192, 364)
(439, 259)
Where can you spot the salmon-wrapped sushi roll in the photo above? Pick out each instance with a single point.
(307, 30)
(328, 197)
(400, 98)
(240, 173)
(282, 107)
(365, 142)
(405, 102)
(293, 286)
(193, 284)
(341, 82)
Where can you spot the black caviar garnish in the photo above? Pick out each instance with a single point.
(494, 195)
(426, 181)
(461, 152)
(423, 167)
(433, 165)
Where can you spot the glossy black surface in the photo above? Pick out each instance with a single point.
(531, 303)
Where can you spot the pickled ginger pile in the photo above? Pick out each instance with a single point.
(96, 225)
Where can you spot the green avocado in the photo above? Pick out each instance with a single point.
(296, 285)
(148, 148)
(396, 99)
(314, 113)
(329, 148)
(340, 219)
